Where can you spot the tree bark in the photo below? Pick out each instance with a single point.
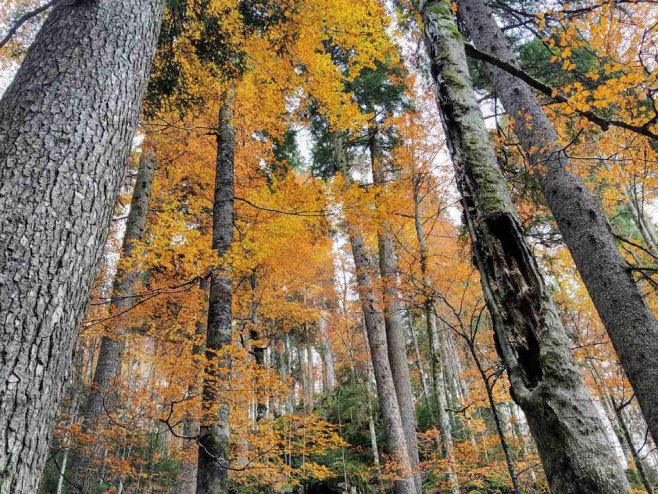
(545, 381)
(631, 325)
(373, 317)
(394, 315)
(419, 365)
(327, 355)
(214, 433)
(628, 437)
(187, 472)
(66, 125)
(102, 397)
(642, 221)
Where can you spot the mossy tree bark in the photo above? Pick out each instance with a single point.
(530, 338)
(631, 325)
(66, 127)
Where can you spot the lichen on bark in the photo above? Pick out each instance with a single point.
(531, 340)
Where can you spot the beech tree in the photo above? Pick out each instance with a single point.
(68, 120)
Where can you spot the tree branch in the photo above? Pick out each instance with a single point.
(24, 18)
(553, 93)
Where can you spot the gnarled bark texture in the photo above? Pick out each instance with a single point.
(214, 433)
(373, 317)
(531, 340)
(102, 396)
(632, 327)
(394, 315)
(66, 125)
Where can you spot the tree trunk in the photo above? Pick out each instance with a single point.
(328, 365)
(419, 364)
(441, 401)
(530, 338)
(394, 315)
(214, 433)
(187, 472)
(307, 369)
(509, 462)
(374, 323)
(632, 327)
(66, 126)
(102, 396)
(628, 437)
(642, 221)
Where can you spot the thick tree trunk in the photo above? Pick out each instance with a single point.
(632, 327)
(373, 317)
(575, 452)
(66, 126)
(394, 315)
(214, 433)
(102, 396)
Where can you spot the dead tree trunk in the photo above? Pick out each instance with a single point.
(530, 338)
(66, 126)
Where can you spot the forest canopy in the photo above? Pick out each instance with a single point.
(329, 246)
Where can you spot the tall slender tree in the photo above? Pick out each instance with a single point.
(67, 122)
(214, 435)
(373, 316)
(632, 327)
(394, 311)
(436, 362)
(544, 378)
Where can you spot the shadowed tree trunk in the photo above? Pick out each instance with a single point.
(394, 314)
(212, 473)
(545, 380)
(632, 327)
(66, 126)
(102, 398)
(373, 317)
